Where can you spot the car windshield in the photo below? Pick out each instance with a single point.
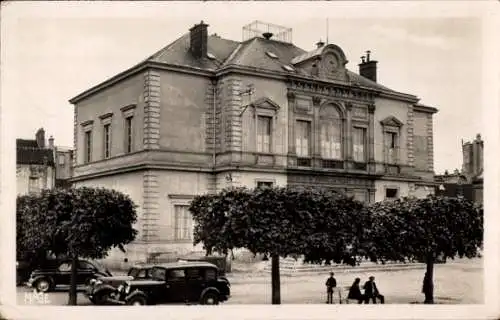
(158, 273)
(100, 267)
(133, 272)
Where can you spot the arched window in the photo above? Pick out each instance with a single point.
(331, 132)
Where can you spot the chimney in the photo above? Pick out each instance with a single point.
(51, 142)
(368, 68)
(199, 40)
(40, 138)
(267, 35)
(320, 44)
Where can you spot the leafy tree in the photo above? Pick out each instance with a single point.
(277, 222)
(77, 222)
(426, 229)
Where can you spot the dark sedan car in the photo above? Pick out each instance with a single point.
(180, 282)
(47, 278)
(99, 290)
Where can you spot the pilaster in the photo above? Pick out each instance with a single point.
(75, 136)
(232, 110)
(150, 207)
(371, 138)
(410, 137)
(212, 118)
(316, 129)
(291, 123)
(430, 143)
(152, 94)
(348, 148)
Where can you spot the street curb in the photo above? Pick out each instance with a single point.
(264, 277)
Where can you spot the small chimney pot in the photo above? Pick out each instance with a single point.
(367, 67)
(51, 142)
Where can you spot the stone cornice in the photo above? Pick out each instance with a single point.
(399, 96)
(329, 89)
(135, 70)
(109, 82)
(423, 108)
(138, 167)
(357, 89)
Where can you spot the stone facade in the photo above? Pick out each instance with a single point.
(195, 125)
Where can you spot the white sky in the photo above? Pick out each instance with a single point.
(52, 52)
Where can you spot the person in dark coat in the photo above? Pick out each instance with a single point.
(355, 292)
(330, 284)
(371, 291)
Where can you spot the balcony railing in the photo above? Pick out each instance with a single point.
(332, 164)
(359, 165)
(392, 169)
(303, 162)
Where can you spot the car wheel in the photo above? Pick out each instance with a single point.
(42, 285)
(101, 299)
(210, 298)
(137, 301)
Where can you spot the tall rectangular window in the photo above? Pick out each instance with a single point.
(183, 226)
(107, 140)
(391, 147)
(302, 138)
(359, 144)
(88, 146)
(61, 159)
(128, 134)
(264, 134)
(331, 139)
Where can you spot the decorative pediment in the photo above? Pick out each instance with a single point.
(391, 122)
(265, 103)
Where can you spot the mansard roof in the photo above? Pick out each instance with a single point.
(258, 54)
(28, 152)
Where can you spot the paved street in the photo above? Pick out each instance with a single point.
(455, 282)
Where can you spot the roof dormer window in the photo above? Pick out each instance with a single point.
(288, 68)
(272, 55)
(211, 56)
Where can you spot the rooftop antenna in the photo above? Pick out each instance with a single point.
(326, 30)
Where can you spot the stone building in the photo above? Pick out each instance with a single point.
(205, 113)
(469, 181)
(41, 165)
(35, 164)
(64, 166)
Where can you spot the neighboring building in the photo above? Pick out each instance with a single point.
(64, 167)
(205, 113)
(35, 164)
(469, 182)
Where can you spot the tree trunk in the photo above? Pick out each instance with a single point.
(275, 279)
(428, 288)
(72, 287)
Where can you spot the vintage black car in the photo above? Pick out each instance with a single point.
(47, 278)
(178, 282)
(99, 290)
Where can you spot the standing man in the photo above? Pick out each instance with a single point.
(330, 284)
(371, 292)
